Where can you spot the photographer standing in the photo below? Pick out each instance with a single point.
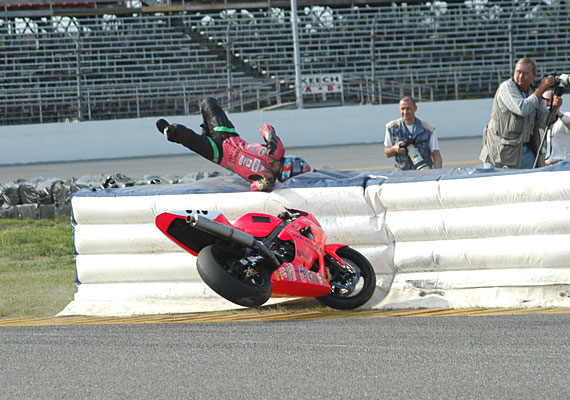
(511, 138)
(558, 139)
(410, 131)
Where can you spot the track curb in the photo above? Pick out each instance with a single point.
(273, 316)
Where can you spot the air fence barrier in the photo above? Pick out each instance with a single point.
(451, 238)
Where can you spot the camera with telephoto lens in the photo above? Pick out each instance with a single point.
(562, 80)
(560, 83)
(417, 160)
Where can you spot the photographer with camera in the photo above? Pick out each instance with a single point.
(558, 136)
(512, 139)
(412, 142)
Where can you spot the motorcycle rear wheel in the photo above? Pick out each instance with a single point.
(215, 268)
(361, 283)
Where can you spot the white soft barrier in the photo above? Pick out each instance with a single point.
(489, 238)
(447, 238)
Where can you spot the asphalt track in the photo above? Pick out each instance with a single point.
(502, 354)
(284, 354)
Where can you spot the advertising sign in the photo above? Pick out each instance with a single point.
(322, 83)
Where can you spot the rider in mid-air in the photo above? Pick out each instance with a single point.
(260, 164)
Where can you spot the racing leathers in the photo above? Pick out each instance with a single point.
(259, 164)
(220, 143)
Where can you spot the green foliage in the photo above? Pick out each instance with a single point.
(37, 269)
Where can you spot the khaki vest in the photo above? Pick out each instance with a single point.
(422, 139)
(502, 139)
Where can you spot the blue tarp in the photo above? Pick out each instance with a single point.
(317, 178)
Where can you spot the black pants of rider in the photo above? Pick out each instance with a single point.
(213, 116)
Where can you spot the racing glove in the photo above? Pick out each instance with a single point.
(269, 135)
(265, 184)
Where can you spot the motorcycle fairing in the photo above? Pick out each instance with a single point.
(309, 239)
(331, 250)
(290, 279)
(305, 276)
(295, 280)
(175, 226)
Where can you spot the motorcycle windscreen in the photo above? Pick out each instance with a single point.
(297, 281)
(182, 233)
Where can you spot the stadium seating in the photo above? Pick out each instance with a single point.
(105, 59)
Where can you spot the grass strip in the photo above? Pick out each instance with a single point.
(37, 269)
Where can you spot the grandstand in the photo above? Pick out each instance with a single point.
(107, 59)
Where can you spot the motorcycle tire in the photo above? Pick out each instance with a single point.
(214, 271)
(363, 291)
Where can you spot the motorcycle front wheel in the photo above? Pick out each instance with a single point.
(352, 285)
(234, 276)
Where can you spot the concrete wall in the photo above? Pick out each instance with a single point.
(22, 144)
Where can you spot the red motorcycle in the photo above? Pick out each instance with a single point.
(261, 255)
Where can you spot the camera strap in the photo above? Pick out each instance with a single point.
(411, 134)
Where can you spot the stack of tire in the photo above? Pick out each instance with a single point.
(47, 197)
(39, 198)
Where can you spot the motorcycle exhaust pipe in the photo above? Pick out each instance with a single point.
(224, 231)
(230, 233)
